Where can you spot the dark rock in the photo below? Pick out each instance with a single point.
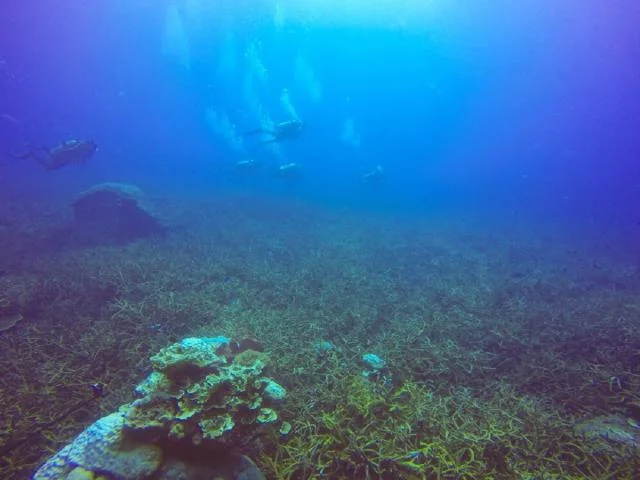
(114, 213)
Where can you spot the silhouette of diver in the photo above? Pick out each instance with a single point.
(282, 131)
(288, 171)
(374, 176)
(69, 152)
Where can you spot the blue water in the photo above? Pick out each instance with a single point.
(516, 107)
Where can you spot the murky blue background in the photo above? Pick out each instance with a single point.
(514, 107)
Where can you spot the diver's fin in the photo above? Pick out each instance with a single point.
(22, 152)
(42, 156)
(26, 151)
(20, 155)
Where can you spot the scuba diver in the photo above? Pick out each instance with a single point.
(69, 152)
(282, 131)
(373, 176)
(288, 171)
(248, 165)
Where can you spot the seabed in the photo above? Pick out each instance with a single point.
(509, 353)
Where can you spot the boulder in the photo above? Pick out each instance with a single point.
(102, 448)
(114, 212)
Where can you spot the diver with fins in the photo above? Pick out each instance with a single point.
(288, 171)
(248, 165)
(373, 176)
(69, 152)
(282, 131)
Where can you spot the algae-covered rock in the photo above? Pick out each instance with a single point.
(285, 429)
(103, 448)
(80, 473)
(267, 415)
(201, 398)
(189, 353)
(155, 382)
(151, 414)
(251, 359)
(201, 390)
(114, 212)
(215, 427)
(273, 391)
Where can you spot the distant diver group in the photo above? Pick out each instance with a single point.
(288, 130)
(78, 152)
(282, 131)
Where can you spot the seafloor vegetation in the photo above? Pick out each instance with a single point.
(501, 343)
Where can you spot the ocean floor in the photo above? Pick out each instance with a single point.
(509, 352)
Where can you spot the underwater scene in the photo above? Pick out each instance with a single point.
(319, 239)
